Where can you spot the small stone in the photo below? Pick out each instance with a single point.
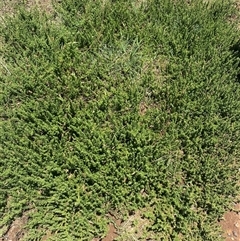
(235, 233)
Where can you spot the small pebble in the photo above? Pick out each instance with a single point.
(235, 233)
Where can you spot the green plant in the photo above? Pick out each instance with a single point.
(107, 101)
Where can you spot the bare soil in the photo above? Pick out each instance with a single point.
(16, 230)
(230, 224)
(132, 229)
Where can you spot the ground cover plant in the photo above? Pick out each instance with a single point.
(124, 106)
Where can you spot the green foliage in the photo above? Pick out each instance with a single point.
(107, 101)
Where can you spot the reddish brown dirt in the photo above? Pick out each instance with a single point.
(16, 230)
(112, 233)
(231, 224)
(113, 226)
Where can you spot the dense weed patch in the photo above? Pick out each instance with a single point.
(119, 105)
